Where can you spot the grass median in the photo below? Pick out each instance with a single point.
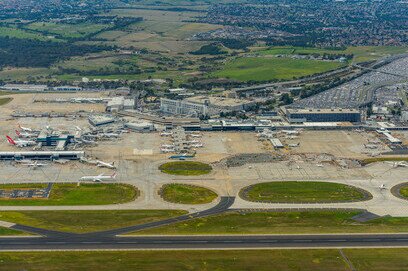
(187, 194)
(303, 192)
(71, 194)
(286, 222)
(260, 260)
(186, 168)
(86, 221)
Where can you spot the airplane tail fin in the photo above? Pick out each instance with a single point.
(10, 140)
(113, 176)
(18, 133)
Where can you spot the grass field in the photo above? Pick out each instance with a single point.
(264, 69)
(386, 259)
(291, 222)
(8, 232)
(303, 192)
(187, 194)
(22, 34)
(187, 168)
(361, 53)
(290, 50)
(67, 30)
(71, 194)
(6, 100)
(12, 74)
(371, 160)
(404, 191)
(86, 221)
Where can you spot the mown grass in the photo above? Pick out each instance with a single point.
(303, 192)
(290, 222)
(371, 160)
(21, 34)
(187, 168)
(404, 191)
(8, 232)
(71, 194)
(373, 259)
(361, 53)
(6, 100)
(86, 221)
(67, 30)
(187, 194)
(264, 69)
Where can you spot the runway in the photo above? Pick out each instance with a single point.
(86, 242)
(54, 240)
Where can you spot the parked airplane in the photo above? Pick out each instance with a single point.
(24, 134)
(294, 145)
(26, 129)
(291, 132)
(32, 164)
(99, 178)
(104, 164)
(110, 135)
(166, 133)
(167, 146)
(197, 145)
(183, 156)
(20, 143)
(398, 164)
(166, 150)
(88, 142)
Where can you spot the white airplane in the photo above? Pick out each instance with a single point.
(104, 164)
(291, 132)
(294, 145)
(168, 146)
(25, 129)
(110, 135)
(166, 133)
(193, 142)
(89, 142)
(20, 143)
(32, 164)
(166, 150)
(24, 134)
(197, 145)
(382, 186)
(398, 164)
(99, 178)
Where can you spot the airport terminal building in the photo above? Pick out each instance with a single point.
(322, 115)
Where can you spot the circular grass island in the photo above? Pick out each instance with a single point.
(400, 191)
(186, 168)
(71, 194)
(187, 194)
(303, 192)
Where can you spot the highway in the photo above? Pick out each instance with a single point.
(55, 240)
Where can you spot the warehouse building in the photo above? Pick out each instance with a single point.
(24, 87)
(322, 115)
